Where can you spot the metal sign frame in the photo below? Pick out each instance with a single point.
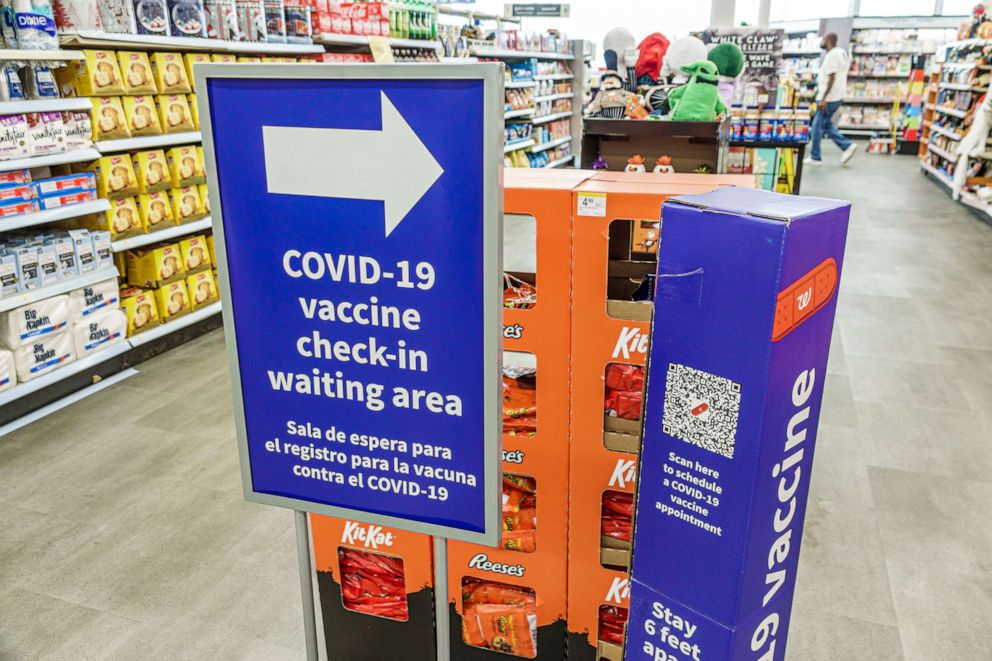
(491, 362)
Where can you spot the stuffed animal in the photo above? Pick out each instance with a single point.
(664, 165)
(635, 108)
(728, 58)
(699, 99)
(650, 57)
(682, 52)
(611, 102)
(635, 164)
(615, 46)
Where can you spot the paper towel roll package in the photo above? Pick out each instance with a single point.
(43, 355)
(98, 331)
(34, 321)
(94, 298)
(8, 373)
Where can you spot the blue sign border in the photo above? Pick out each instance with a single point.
(491, 76)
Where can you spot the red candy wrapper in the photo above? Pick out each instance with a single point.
(518, 294)
(612, 620)
(617, 518)
(519, 401)
(373, 584)
(499, 617)
(624, 391)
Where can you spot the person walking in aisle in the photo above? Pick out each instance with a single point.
(831, 89)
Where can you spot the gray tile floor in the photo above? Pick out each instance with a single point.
(123, 534)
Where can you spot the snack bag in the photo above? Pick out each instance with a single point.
(223, 57)
(624, 391)
(115, 177)
(188, 18)
(108, 120)
(122, 219)
(155, 211)
(184, 166)
(172, 300)
(170, 73)
(194, 111)
(173, 112)
(499, 617)
(617, 519)
(189, 60)
(612, 624)
(519, 401)
(141, 115)
(202, 289)
(196, 255)
(518, 294)
(151, 17)
(152, 171)
(136, 70)
(186, 204)
(117, 16)
(140, 308)
(98, 74)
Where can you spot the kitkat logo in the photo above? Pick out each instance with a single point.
(371, 537)
(800, 300)
(624, 473)
(482, 562)
(631, 341)
(619, 591)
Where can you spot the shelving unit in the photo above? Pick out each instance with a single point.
(97, 39)
(61, 374)
(75, 156)
(15, 54)
(523, 112)
(518, 144)
(544, 146)
(544, 119)
(567, 160)
(174, 326)
(148, 142)
(45, 105)
(352, 40)
(62, 287)
(505, 54)
(173, 232)
(52, 215)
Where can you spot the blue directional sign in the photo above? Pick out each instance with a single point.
(357, 218)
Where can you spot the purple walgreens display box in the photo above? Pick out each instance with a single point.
(744, 309)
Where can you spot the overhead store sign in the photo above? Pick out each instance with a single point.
(538, 10)
(359, 248)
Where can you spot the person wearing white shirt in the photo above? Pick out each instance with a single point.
(831, 89)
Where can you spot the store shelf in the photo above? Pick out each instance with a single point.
(555, 76)
(946, 155)
(169, 327)
(953, 112)
(519, 84)
(958, 65)
(561, 161)
(68, 370)
(945, 132)
(201, 225)
(55, 159)
(801, 53)
(45, 105)
(551, 144)
(96, 38)
(969, 199)
(867, 99)
(53, 215)
(861, 129)
(878, 75)
(502, 53)
(513, 114)
(962, 87)
(552, 97)
(331, 39)
(550, 118)
(148, 142)
(938, 175)
(9, 54)
(518, 144)
(57, 288)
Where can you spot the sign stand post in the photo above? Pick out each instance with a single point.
(306, 584)
(442, 623)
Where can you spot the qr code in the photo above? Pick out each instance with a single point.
(702, 409)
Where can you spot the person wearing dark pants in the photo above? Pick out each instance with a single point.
(831, 89)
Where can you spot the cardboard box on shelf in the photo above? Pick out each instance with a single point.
(735, 388)
(397, 622)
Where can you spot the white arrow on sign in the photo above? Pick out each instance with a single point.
(391, 164)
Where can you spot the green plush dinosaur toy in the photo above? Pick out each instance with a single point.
(699, 99)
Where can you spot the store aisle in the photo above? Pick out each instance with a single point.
(124, 534)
